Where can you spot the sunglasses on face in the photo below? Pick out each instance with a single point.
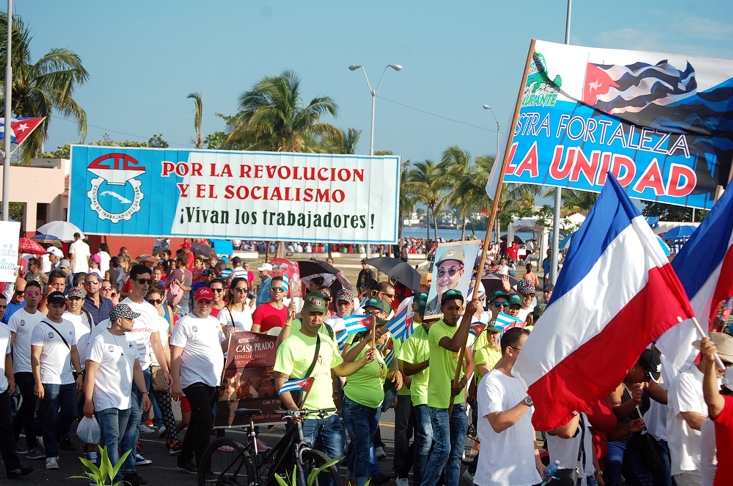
(451, 271)
(106, 289)
(217, 290)
(240, 289)
(32, 293)
(389, 296)
(155, 301)
(501, 304)
(277, 289)
(143, 281)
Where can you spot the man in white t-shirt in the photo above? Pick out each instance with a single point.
(53, 353)
(111, 368)
(13, 467)
(145, 334)
(197, 360)
(79, 253)
(21, 326)
(508, 451)
(687, 411)
(83, 322)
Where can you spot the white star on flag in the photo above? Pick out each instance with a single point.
(22, 127)
(595, 85)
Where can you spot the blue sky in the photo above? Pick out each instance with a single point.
(145, 57)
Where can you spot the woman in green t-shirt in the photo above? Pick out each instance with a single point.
(364, 393)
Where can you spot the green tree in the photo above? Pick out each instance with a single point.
(670, 212)
(470, 193)
(574, 201)
(199, 107)
(429, 186)
(272, 117)
(456, 167)
(216, 140)
(40, 88)
(64, 151)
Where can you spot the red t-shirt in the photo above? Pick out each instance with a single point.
(724, 443)
(268, 317)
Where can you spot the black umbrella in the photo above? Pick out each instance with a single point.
(202, 249)
(398, 270)
(517, 239)
(333, 277)
(492, 283)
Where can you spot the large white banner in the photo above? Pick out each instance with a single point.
(252, 195)
(9, 234)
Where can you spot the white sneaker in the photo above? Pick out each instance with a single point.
(52, 463)
(162, 432)
(402, 482)
(144, 429)
(141, 461)
(379, 452)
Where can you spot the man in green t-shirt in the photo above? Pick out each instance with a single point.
(445, 339)
(295, 356)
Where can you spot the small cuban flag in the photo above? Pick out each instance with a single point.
(401, 324)
(298, 384)
(285, 283)
(506, 322)
(388, 353)
(358, 323)
(20, 128)
(341, 340)
(477, 328)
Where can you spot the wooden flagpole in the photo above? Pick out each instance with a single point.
(495, 207)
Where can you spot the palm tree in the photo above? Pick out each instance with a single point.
(199, 106)
(429, 185)
(40, 88)
(272, 117)
(575, 201)
(456, 163)
(470, 193)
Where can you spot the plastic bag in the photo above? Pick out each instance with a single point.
(88, 430)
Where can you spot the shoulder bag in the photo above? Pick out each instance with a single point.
(297, 395)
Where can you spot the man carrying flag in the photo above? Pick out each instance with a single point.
(308, 353)
(583, 349)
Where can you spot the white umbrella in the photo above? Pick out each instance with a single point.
(63, 230)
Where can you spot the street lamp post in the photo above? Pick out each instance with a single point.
(496, 159)
(373, 92)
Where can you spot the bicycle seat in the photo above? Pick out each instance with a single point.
(247, 411)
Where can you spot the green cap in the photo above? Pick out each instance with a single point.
(514, 299)
(314, 302)
(497, 294)
(450, 295)
(379, 304)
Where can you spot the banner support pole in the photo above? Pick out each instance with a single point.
(8, 116)
(494, 208)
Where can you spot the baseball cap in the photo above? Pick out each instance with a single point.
(426, 279)
(450, 295)
(64, 263)
(649, 360)
(122, 311)
(186, 245)
(497, 294)
(547, 287)
(208, 271)
(514, 299)
(378, 304)
(265, 267)
(525, 287)
(56, 298)
(314, 303)
(456, 254)
(490, 328)
(96, 258)
(75, 293)
(55, 251)
(204, 293)
(345, 295)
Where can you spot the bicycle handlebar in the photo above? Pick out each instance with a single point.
(301, 413)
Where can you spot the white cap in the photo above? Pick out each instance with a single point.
(55, 251)
(266, 267)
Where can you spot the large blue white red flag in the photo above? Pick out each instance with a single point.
(297, 384)
(401, 324)
(704, 265)
(20, 128)
(615, 295)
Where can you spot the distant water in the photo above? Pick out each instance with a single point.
(451, 234)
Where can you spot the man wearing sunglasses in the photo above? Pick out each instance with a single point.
(17, 300)
(97, 305)
(273, 313)
(21, 326)
(449, 271)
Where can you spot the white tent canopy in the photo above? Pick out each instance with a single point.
(665, 226)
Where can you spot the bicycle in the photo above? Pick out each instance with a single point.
(229, 462)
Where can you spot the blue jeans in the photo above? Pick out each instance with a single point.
(423, 441)
(59, 412)
(613, 462)
(361, 422)
(449, 435)
(111, 423)
(132, 432)
(326, 435)
(637, 473)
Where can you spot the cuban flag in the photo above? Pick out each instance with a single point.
(285, 284)
(401, 324)
(704, 265)
(477, 328)
(616, 89)
(388, 353)
(20, 128)
(615, 295)
(297, 384)
(341, 340)
(506, 322)
(358, 323)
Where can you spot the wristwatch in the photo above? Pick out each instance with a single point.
(528, 401)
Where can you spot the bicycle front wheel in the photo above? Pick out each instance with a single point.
(225, 462)
(313, 459)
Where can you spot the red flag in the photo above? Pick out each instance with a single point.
(597, 82)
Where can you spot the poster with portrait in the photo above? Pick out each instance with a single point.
(8, 250)
(454, 264)
(248, 381)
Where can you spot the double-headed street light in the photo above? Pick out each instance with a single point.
(487, 107)
(354, 67)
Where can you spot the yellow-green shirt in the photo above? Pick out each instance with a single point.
(442, 369)
(294, 357)
(366, 386)
(416, 350)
